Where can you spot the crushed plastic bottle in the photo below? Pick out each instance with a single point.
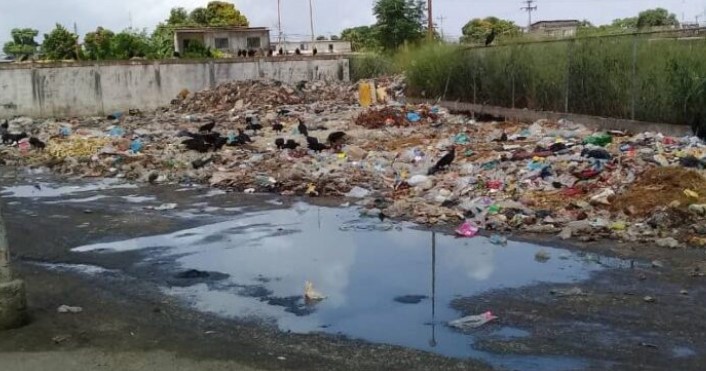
(65, 131)
(471, 322)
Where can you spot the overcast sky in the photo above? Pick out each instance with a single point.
(330, 16)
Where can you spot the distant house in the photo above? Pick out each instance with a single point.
(322, 46)
(226, 39)
(555, 29)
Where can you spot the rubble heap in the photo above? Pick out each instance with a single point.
(258, 93)
(544, 177)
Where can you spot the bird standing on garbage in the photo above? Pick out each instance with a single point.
(445, 161)
(252, 124)
(36, 143)
(277, 127)
(303, 130)
(314, 145)
(315, 51)
(489, 40)
(208, 127)
(279, 142)
(297, 51)
(242, 137)
(291, 144)
(336, 137)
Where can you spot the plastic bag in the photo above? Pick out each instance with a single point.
(467, 229)
(471, 322)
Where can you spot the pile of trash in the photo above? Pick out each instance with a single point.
(258, 93)
(544, 177)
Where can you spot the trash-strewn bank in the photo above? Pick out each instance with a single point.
(544, 177)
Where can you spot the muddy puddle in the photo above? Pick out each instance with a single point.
(384, 282)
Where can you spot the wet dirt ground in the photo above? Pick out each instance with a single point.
(391, 287)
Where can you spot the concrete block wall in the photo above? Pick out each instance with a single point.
(83, 89)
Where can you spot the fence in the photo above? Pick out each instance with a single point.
(655, 77)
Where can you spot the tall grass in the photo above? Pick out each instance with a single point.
(640, 77)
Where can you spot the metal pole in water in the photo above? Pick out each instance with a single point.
(432, 342)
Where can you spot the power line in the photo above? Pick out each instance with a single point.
(529, 9)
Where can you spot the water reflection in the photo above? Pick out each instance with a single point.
(360, 265)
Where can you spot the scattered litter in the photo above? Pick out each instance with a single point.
(668, 242)
(575, 291)
(542, 256)
(474, 321)
(310, 294)
(68, 309)
(550, 177)
(358, 192)
(684, 292)
(467, 229)
(497, 239)
(649, 299)
(163, 207)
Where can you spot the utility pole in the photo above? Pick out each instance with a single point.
(430, 20)
(78, 45)
(529, 9)
(441, 19)
(13, 301)
(279, 23)
(311, 20)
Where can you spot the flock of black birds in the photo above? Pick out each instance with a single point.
(10, 139)
(251, 53)
(207, 139)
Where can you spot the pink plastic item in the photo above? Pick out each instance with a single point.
(467, 229)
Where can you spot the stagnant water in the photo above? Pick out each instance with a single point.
(384, 282)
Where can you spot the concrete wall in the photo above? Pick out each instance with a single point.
(64, 90)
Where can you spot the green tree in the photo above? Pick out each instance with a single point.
(60, 44)
(335, 38)
(321, 38)
(130, 44)
(625, 23)
(658, 17)
(22, 44)
(162, 42)
(398, 22)
(218, 13)
(199, 16)
(178, 16)
(476, 30)
(361, 38)
(221, 13)
(98, 44)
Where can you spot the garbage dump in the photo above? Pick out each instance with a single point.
(413, 162)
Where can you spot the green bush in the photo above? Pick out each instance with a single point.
(594, 76)
(367, 66)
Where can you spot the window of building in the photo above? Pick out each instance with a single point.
(254, 43)
(187, 42)
(330, 48)
(221, 43)
(302, 46)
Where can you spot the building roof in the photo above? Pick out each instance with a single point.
(219, 29)
(557, 23)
